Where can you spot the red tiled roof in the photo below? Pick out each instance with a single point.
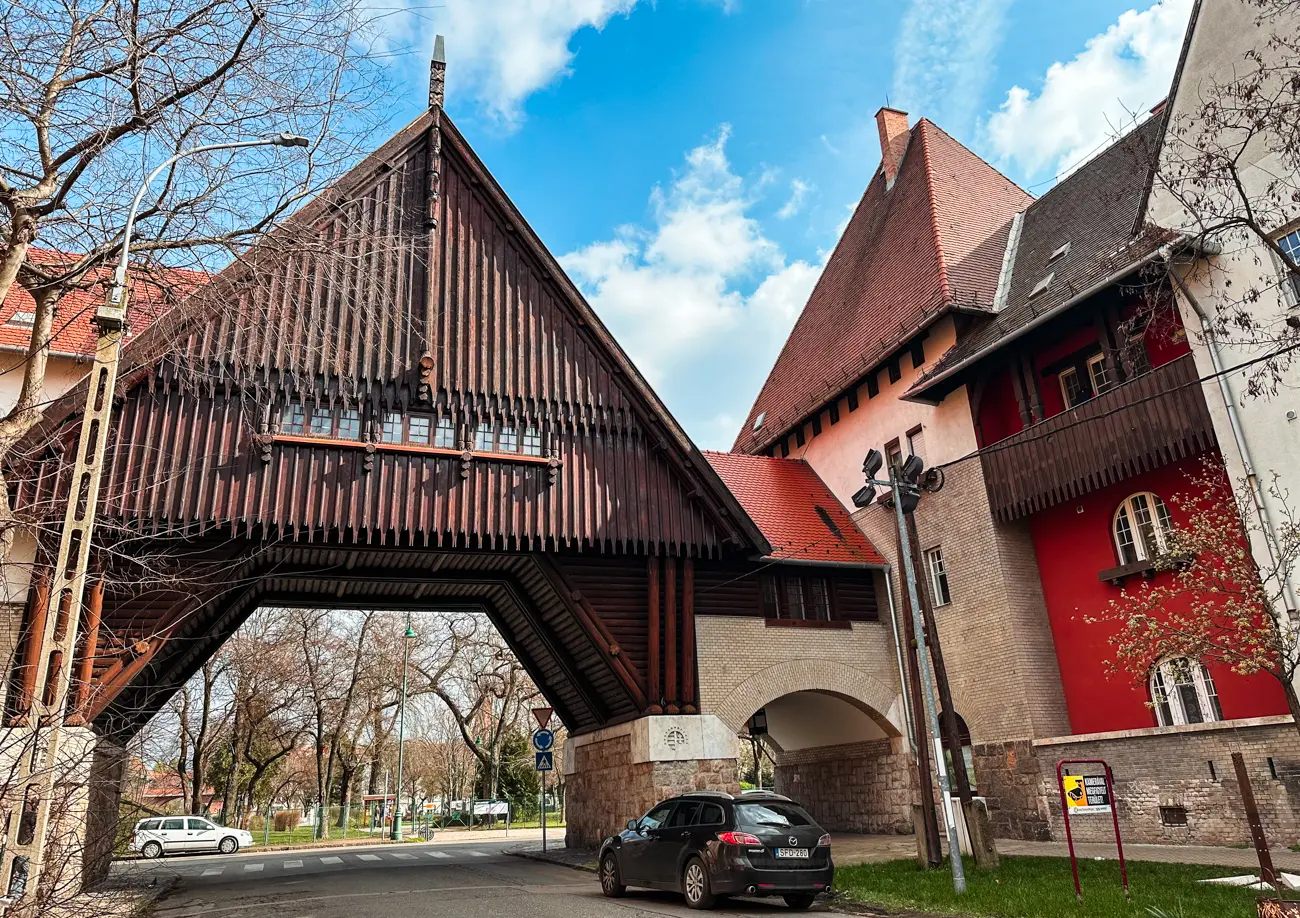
(795, 509)
(933, 241)
(72, 331)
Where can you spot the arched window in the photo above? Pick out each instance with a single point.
(1141, 528)
(1183, 693)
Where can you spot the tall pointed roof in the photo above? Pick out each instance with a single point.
(931, 243)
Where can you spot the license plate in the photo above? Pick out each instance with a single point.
(792, 852)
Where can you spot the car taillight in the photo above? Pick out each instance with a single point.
(824, 841)
(738, 838)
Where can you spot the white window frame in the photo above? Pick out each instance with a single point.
(1127, 525)
(1099, 374)
(1174, 682)
(1069, 373)
(444, 434)
(940, 585)
(485, 437)
(392, 427)
(1289, 242)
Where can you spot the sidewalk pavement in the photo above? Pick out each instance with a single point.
(861, 849)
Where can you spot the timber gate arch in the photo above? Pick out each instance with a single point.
(399, 400)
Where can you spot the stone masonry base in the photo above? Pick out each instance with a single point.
(1174, 785)
(858, 787)
(619, 773)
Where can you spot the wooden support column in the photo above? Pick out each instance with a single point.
(1031, 388)
(94, 612)
(689, 701)
(1022, 399)
(32, 644)
(653, 638)
(670, 634)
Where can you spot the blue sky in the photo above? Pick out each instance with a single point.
(691, 162)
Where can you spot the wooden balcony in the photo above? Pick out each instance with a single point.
(1148, 422)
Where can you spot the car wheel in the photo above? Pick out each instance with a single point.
(229, 845)
(611, 879)
(799, 901)
(695, 884)
(151, 850)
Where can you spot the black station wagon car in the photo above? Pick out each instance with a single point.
(706, 845)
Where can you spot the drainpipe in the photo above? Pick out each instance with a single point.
(1234, 421)
(898, 654)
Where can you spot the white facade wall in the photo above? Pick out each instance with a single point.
(1269, 424)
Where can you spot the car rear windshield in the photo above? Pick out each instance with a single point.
(777, 815)
(146, 824)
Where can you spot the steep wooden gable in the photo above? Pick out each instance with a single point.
(412, 289)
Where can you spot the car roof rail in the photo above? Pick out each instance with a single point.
(716, 794)
(770, 795)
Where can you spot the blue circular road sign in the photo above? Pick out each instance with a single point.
(543, 739)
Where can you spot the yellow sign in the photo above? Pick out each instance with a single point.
(1085, 794)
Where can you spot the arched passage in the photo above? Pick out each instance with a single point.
(836, 750)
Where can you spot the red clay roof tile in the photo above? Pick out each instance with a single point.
(932, 241)
(795, 509)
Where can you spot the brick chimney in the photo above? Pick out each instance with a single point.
(893, 141)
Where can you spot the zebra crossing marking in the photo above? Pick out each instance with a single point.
(367, 857)
(331, 860)
(253, 867)
(214, 871)
(289, 864)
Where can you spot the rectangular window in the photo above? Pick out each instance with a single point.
(1099, 373)
(853, 399)
(484, 438)
(771, 603)
(916, 443)
(873, 386)
(391, 429)
(509, 441)
(794, 605)
(322, 422)
(293, 420)
(835, 413)
(939, 590)
(785, 449)
(1073, 391)
(1290, 244)
(799, 439)
(918, 354)
(817, 426)
(893, 455)
(445, 436)
(419, 432)
(819, 600)
(349, 424)
(532, 442)
(895, 371)
(22, 317)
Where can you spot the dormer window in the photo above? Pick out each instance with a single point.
(1060, 252)
(1041, 287)
(758, 421)
(22, 317)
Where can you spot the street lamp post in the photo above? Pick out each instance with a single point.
(401, 733)
(24, 843)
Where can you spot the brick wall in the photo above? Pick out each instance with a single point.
(1153, 768)
(858, 787)
(995, 633)
(744, 664)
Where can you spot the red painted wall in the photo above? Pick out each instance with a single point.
(1073, 542)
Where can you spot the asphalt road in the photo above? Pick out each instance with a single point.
(470, 880)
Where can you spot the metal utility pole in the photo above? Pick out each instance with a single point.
(905, 490)
(401, 733)
(38, 764)
(932, 715)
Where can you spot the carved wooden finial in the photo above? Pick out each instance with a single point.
(437, 73)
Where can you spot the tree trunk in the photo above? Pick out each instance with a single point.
(200, 741)
(229, 797)
(1292, 700)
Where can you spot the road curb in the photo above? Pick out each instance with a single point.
(547, 858)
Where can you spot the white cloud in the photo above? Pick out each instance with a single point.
(502, 51)
(943, 58)
(1092, 98)
(700, 297)
(799, 190)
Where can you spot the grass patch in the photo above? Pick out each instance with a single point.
(1040, 887)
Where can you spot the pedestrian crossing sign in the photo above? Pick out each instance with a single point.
(545, 760)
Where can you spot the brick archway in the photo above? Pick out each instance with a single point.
(865, 692)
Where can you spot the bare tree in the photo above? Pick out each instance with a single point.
(92, 94)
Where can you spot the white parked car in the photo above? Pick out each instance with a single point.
(180, 834)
